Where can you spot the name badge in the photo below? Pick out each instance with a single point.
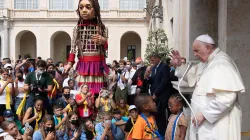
(86, 113)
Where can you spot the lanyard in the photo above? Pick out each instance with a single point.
(40, 76)
(156, 132)
(119, 76)
(93, 132)
(175, 125)
(132, 121)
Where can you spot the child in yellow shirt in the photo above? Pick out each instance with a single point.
(123, 107)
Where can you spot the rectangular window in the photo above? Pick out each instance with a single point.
(104, 4)
(132, 4)
(131, 51)
(172, 25)
(1, 3)
(26, 4)
(61, 5)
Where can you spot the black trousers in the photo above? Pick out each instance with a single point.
(131, 99)
(161, 116)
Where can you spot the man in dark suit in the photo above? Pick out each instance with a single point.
(159, 78)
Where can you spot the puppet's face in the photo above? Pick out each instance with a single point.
(86, 10)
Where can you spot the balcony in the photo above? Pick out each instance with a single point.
(131, 14)
(4, 13)
(52, 14)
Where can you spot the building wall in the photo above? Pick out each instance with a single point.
(175, 23)
(237, 46)
(28, 44)
(116, 33)
(44, 23)
(43, 32)
(130, 38)
(59, 46)
(203, 20)
(227, 21)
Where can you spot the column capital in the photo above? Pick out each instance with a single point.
(6, 24)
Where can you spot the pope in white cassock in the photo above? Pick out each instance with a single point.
(217, 83)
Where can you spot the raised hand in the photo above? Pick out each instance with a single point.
(9, 80)
(107, 125)
(111, 95)
(89, 94)
(176, 58)
(77, 133)
(50, 136)
(36, 116)
(16, 80)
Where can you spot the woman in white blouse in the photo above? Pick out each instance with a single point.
(6, 91)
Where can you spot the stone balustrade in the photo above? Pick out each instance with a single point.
(131, 14)
(25, 14)
(53, 14)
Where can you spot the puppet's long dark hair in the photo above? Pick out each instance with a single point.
(96, 7)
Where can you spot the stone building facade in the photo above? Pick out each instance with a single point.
(227, 21)
(44, 27)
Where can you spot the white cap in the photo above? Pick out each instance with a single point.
(7, 65)
(205, 38)
(131, 107)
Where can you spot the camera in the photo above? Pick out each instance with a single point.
(34, 88)
(27, 126)
(119, 71)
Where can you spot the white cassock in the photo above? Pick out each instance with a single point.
(217, 84)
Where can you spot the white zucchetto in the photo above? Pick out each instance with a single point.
(206, 39)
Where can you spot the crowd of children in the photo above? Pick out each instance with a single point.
(79, 114)
(41, 100)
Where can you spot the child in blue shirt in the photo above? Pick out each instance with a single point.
(59, 120)
(106, 130)
(118, 120)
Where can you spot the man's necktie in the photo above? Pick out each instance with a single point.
(156, 69)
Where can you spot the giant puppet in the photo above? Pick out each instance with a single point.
(89, 43)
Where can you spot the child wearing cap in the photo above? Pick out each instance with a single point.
(131, 122)
(9, 116)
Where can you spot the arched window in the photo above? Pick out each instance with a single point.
(26, 4)
(132, 4)
(104, 4)
(61, 4)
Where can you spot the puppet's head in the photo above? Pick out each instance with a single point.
(88, 10)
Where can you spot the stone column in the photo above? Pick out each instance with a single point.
(203, 20)
(236, 37)
(5, 40)
(157, 20)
